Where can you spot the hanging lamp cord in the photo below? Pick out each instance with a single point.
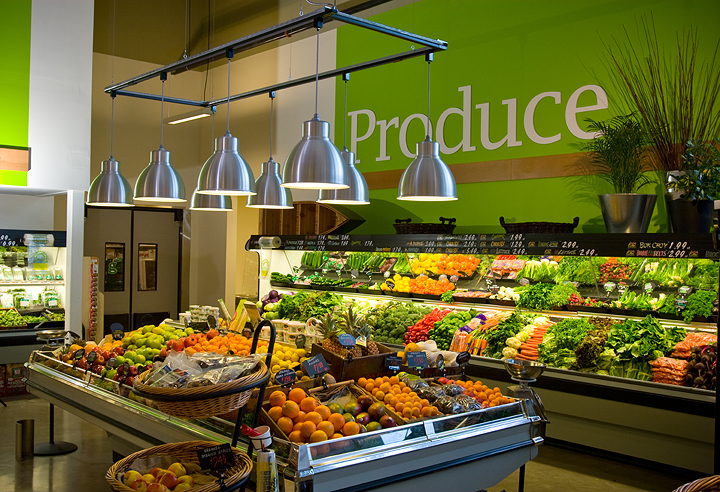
(272, 101)
(162, 103)
(317, 68)
(228, 98)
(428, 110)
(345, 119)
(112, 121)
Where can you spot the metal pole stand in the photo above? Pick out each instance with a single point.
(54, 448)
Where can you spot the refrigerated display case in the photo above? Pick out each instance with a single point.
(613, 414)
(474, 449)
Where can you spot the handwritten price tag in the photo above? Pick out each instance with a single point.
(285, 376)
(417, 360)
(346, 340)
(393, 362)
(218, 457)
(316, 365)
(462, 358)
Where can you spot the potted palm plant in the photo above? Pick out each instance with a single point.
(618, 154)
(696, 187)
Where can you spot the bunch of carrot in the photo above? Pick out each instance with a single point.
(529, 349)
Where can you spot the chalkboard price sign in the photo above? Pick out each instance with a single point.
(417, 360)
(316, 365)
(216, 458)
(462, 358)
(285, 376)
(393, 362)
(300, 341)
(346, 340)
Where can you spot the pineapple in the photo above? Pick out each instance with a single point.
(348, 324)
(366, 331)
(329, 331)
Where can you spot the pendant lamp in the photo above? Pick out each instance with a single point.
(357, 191)
(315, 163)
(226, 172)
(159, 181)
(427, 178)
(110, 188)
(210, 203)
(269, 189)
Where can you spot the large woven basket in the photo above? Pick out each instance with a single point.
(187, 452)
(200, 401)
(707, 484)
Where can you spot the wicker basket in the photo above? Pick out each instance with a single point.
(187, 452)
(403, 226)
(707, 484)
(200, 401)
(540, 227)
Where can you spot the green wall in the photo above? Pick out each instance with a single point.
(503, 51)
(15, 25)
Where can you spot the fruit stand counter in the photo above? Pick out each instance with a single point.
(474, 449)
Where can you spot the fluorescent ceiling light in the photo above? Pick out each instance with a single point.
(189, 116)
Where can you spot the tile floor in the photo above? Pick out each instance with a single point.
(554, 470)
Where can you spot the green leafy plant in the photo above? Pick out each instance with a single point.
(618, 153)
(673, 93)
(701, 163)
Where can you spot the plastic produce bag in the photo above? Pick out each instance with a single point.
(412, 381)
(468, 403)
(201, 369)
(453, 389)
(431, 393)
(448, 405)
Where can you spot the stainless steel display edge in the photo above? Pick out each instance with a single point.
(134, 422)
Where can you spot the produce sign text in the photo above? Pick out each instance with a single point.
(218, 457)
(417, 360)
(316, 365)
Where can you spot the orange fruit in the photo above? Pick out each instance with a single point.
(295, 436)
(318, 436)
(385, 387)
(424, 402)
(300, 417)
(380, 395)
(426, 412)
(277, 398)
(415, 412)
(413, 394)
(394, 380)
(375, 391)
(327, 427)
(399, 407)
(482, 396)
(378, 381)
(386, 379)
(407, 412)
(307, 428)
(275, 413)
(435, 410)
(496, 390)
(406, 390)
(350, 429)
(402, 385)
(362, 382)
(336, 436)
(393, 400)
(308, 404)
(285, 424)
(369, 386)
(388, 398)
(290, 409)
(324, 411)
(297, 426)
(297, 395)
(337, 420)
(313, 417)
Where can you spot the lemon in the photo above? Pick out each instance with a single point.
(302, 359)
(294, 358)
(289, 354)
(300, 352)
(299, 374)
(304, 378)
(284, 364)
(275, 368)
(274, 361)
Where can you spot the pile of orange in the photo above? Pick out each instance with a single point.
(398, 396)
(490, 397)
(223, 344)
(304, 420)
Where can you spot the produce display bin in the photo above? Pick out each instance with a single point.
(344, 369)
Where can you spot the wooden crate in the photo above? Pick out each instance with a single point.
(344, 369)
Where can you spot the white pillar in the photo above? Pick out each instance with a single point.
(74, 267)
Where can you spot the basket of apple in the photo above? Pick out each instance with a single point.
(174, 467)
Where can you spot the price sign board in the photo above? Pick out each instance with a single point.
(346, 340)
(91, 357)
(285, 376)
(417, 360)
(79, 354)
(440, 362)
(609, 286)
(316, 365)
(393, 362)
(390, 284)
(117, 335)
(463, 358)
(216, 458)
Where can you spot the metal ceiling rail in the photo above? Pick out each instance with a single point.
(286, 29)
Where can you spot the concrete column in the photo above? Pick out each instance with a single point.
(74, 266)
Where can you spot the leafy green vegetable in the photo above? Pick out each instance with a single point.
(497, 336)
(304, 305)
(575, 269)
(700, 303)
(390, 321)
(560, 341)
(444, 330)
(545, 296)
(643, 341)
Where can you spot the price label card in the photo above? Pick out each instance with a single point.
(362, 341)
(440, 361)
(680, 303)
(285, 376)
(216, 458)
(609, 286)
(300, 341)
(685, 290)
(354, 273)
(390, 284)
(417, 360)
(346, 340)
(393, 362)
(91, 357)
(463, 358)
(494, 288)
(648, 287)
(247, 332)
(622, 288)
(79, 354)
(316, 365)
(211, 321)
(524, 281)
(117, 335)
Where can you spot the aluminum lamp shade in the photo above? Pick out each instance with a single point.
(110, 188)
(315, 163)
(357, 192)
(210, 203)
(269, 189)
(427, 178)
(226, 172)
(159, 181)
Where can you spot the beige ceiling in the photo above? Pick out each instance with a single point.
(155, 30)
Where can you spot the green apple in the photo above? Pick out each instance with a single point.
(140, 359)
(189, 331)
(130, 355)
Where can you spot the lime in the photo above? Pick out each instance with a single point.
(120, 360)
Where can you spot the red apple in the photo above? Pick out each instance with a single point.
(154, 472)
(168, 479)
(82, 364)
(188, 341)
(118, 350)
(130, 476)
(157, 487)
(186, 479)
(130, 381)
(177, 345)
(133, 371)
(140, 485)
(177, 469)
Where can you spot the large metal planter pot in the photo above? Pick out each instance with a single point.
(627, 212)
(690, 216)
